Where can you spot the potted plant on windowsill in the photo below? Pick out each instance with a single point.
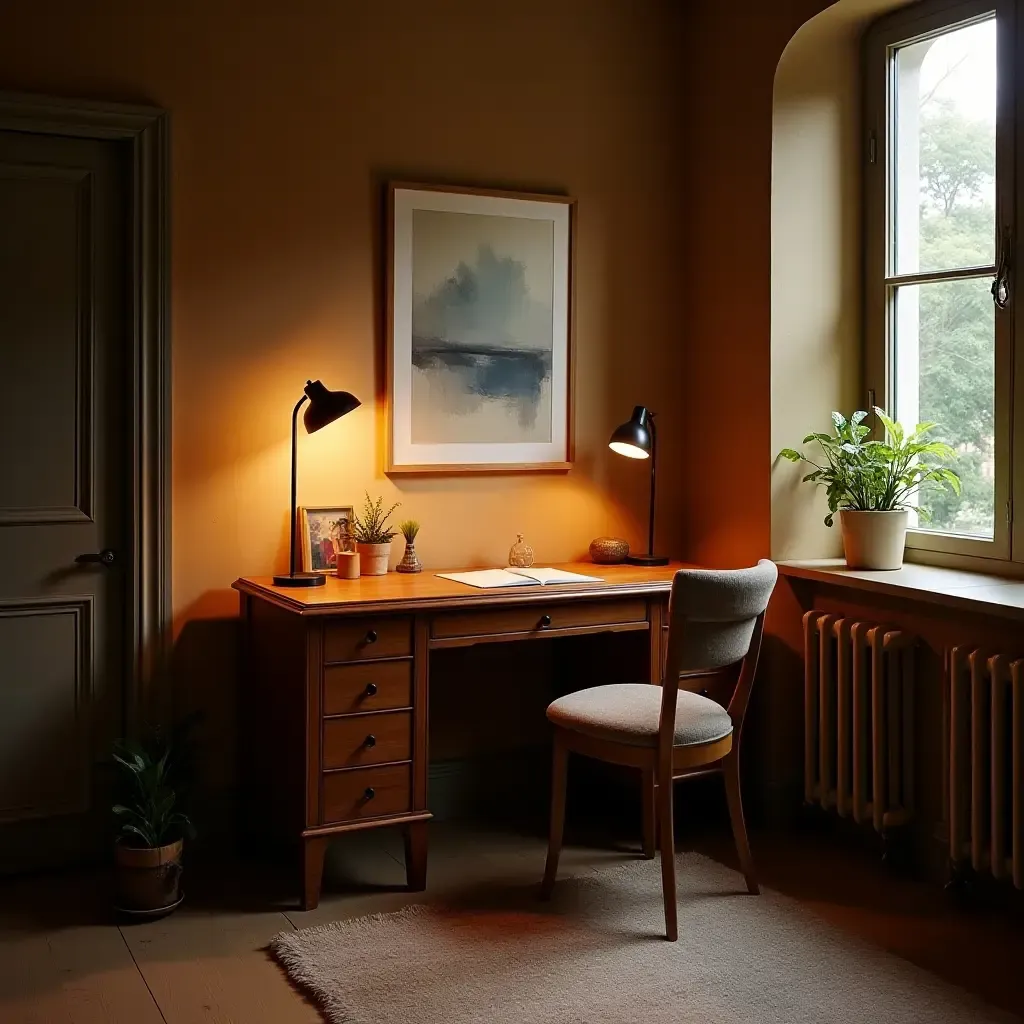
(152, 826)
(373, 535)
(872, 484)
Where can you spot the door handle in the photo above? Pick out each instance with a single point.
(104, 557)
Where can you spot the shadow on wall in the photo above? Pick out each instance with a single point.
(205, 680)
(773, 758)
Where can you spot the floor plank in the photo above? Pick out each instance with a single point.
(212, 966)
(62, 958)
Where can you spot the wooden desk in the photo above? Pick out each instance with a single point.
(335, 688)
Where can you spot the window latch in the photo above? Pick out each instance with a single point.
(1001, 282)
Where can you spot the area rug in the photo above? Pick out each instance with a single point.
(596, 955)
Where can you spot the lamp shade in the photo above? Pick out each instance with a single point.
(633, 439)
(325, 406)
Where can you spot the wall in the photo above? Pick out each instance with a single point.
(285, 127)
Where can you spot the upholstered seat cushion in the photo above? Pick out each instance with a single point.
(629, 713)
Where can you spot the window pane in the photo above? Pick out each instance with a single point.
(945, 373)
(945, 151)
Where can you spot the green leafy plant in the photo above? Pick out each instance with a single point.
(409, 528)
(372, 526)
(866, 475)
(153, 774)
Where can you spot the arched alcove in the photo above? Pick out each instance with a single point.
(816, 350)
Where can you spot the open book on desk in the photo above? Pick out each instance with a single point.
(488, 578)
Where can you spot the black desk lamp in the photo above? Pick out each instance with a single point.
(637, 440)
(324, 407)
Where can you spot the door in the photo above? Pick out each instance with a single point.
(64, 486)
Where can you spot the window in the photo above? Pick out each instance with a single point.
(939, 195)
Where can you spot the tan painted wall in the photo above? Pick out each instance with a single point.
(816, 265)
(286, 122)
(284, 128)
(817, 156)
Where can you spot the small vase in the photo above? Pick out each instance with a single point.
(410, 562)
(521, 554)
(373, 559)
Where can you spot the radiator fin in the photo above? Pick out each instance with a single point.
(986, 763)
(858, 719)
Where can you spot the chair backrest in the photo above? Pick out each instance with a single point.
(715, 620)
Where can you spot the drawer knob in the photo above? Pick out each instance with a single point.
(704, 691)
(371, 689)
(545, 620)
(369, 792)
(370, 741)
(371, 636)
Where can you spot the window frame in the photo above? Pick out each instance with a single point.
(880, 42)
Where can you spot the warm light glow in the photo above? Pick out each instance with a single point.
(629, 450)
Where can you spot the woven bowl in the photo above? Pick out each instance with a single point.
(609, 550)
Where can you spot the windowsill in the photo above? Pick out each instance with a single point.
(953, 588)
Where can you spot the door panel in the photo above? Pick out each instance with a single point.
(48, 333)
(63, 485)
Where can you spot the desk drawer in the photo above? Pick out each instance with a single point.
(367, 793)
(365, 639)
(367, 686)
(367, 739)
(539, 618)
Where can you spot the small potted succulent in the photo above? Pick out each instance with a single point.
(151, 824)
(872, 484)
(410, 560)
(372, 535)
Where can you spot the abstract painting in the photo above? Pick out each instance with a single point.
(479, 346)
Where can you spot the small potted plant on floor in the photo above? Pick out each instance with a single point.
(373, 535)
(873, 483)
(152, 825)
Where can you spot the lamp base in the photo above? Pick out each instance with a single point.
(646, 560)
(300, 579)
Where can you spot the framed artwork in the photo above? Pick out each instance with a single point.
(479, 330)
(323, 532)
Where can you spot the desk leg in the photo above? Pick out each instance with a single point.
(313, 850)
(416, 856)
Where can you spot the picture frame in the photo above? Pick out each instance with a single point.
(479, 330)
(320, 538)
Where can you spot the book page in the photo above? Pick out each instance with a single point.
(488, 578)
(555, 576)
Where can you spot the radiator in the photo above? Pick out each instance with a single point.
(986, 763)
(858, 719)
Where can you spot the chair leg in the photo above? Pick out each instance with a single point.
(668, 858)
(559, 775)
(731, 770)
(650, 816)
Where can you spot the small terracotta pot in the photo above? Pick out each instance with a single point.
(148, 878)
(874, 540)
(374, 558)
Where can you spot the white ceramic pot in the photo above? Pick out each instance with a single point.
(874, 540)
(374, 558)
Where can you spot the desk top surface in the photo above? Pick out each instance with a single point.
(409, 592)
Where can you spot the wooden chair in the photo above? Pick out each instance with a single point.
(716, 620)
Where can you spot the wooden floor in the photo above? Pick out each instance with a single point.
(63, 959)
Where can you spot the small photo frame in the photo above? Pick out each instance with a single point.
(323, 532)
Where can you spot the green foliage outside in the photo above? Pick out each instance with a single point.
(957, 381)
